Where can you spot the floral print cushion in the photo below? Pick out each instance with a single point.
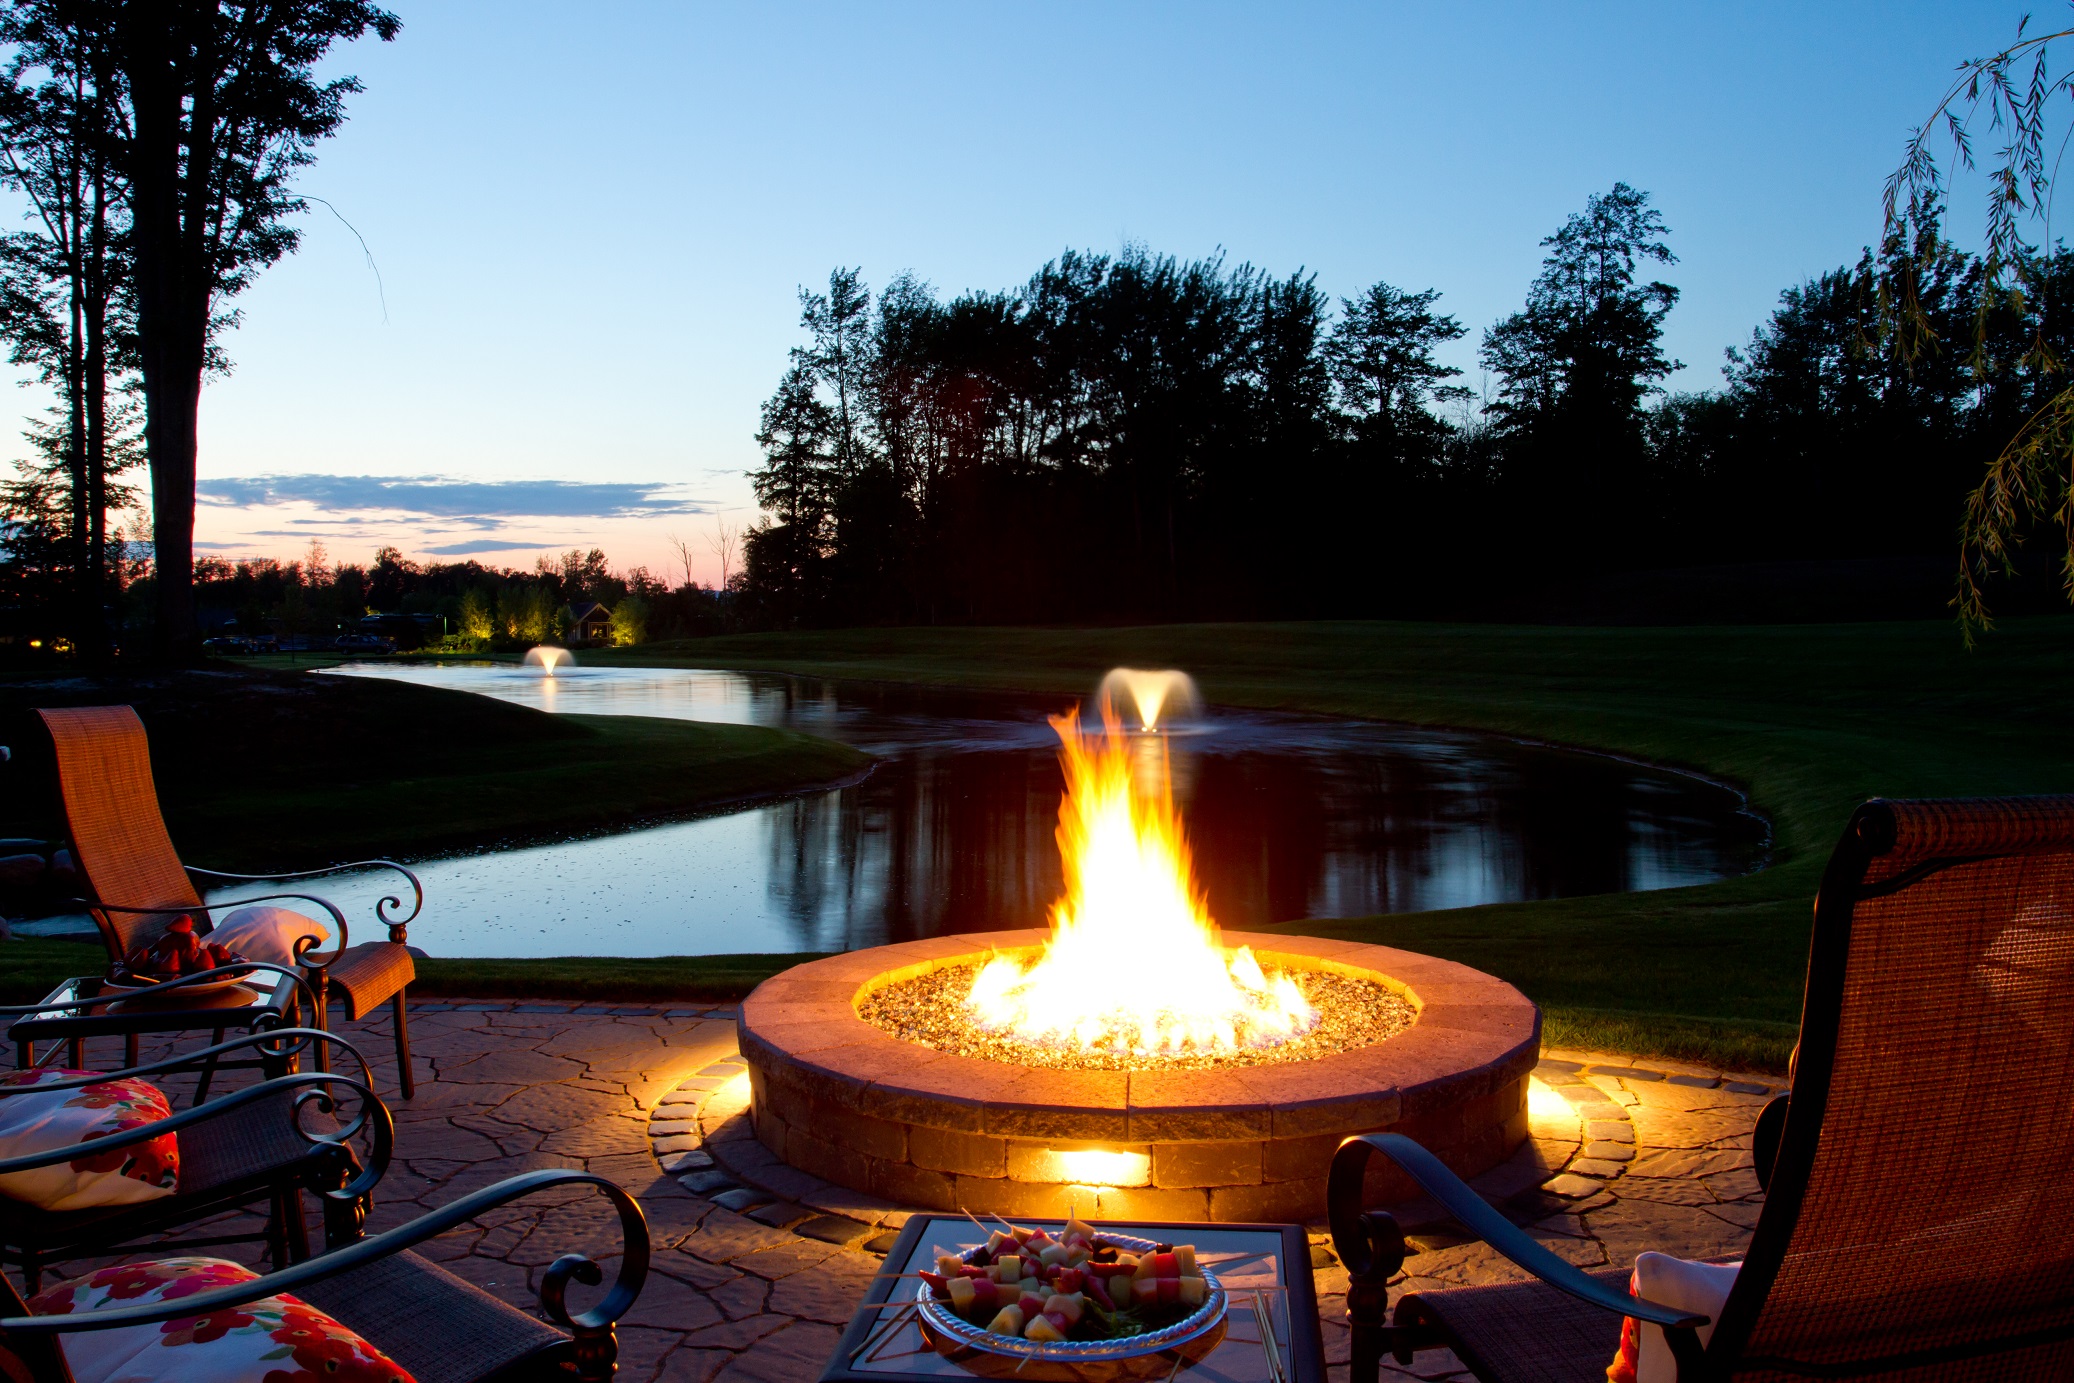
(278, 1339)
(35, 1121)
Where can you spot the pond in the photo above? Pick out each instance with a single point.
(1289, 817)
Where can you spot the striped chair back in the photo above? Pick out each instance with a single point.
(119, 840)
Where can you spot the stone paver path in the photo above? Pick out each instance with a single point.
(749, 1284)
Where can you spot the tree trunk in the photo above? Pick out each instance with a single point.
(94, 642)
(172, 334)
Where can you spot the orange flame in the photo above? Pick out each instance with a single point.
(1134, 965)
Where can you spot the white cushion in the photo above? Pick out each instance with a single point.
(267, 933)
(38, 1121)
(1682, 1285)
(273, 1340)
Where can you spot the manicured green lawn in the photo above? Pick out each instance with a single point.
(266, 771)
(1810, 720)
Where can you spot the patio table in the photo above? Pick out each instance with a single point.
(1271, 1334)
(260, 1001)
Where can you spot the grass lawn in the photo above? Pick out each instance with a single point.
(1809, 720)
(273, 771)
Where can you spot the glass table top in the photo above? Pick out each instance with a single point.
(1259, 1345)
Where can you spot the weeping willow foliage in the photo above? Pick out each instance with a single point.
(2014, 97)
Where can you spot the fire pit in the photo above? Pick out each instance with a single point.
(1132, 1061)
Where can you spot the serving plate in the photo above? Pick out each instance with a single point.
(137, 989)
(984, 1352)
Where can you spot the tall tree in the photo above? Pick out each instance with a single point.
(63, 305)
(839, 323)
(217, 106)
(1380, 355)
(797, 482)
(1576, 363)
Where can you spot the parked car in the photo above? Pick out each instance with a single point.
(365, 643)
(227, 646)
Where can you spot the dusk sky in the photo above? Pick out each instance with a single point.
(591, 222)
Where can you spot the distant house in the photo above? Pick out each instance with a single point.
(588, 622)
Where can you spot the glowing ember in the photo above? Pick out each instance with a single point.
(1134, 965)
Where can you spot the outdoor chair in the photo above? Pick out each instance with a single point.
(261, 1145)
(134, 880)
(437, 1327)
(1917, 1222)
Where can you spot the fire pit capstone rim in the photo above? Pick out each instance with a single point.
(843, 1099)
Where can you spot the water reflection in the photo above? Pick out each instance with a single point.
(1289, 817)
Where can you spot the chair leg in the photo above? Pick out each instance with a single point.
(320, 1004)
(201, 1087)
(296, 1226)
(277, 1230)
(403, 1072)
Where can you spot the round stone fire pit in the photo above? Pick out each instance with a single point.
(843, 1100)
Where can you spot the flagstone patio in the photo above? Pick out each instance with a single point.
(748, 1283)
(753, 1281)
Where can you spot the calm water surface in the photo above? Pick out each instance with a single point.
(1289, 817)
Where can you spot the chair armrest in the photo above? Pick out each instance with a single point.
(1765, 1138)
(626, 1286)
(305, 946)
(316, 1087)
(284, 1044)
(1343, 1204)
(382, 906)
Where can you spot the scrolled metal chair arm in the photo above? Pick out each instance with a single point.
(1352, 1240)
(302, 1039)
(1343, 1201)
(633, 1270)
(382, 907)
(373, 1115)
(194, 1114)
(304, 945)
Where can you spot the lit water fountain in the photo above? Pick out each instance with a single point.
(1160, 698)
(547, 658)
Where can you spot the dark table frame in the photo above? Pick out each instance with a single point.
(1306, 1351)
(73, 1026)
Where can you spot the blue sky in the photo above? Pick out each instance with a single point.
(591, 221)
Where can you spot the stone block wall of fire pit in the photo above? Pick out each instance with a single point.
(843, 1100)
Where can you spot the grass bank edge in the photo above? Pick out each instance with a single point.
(626, 771)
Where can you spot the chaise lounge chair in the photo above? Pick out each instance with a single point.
(1917, 1223)
(437, 1327)
(134, 879)
(261, 1145)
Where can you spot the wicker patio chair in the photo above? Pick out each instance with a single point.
(259, 1146)
(134, 879)
(439, 1328)
(1917, 1221)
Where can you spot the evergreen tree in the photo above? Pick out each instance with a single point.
(1575, 365)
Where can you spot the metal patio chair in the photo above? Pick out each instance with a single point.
(439, 1328)
(259, 1146)
(134, 880)
(1917, 1221)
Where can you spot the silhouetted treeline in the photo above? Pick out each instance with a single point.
(1139, 437)
(480, 606)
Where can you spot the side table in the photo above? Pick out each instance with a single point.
(1272, 1322)
(262, 1000)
